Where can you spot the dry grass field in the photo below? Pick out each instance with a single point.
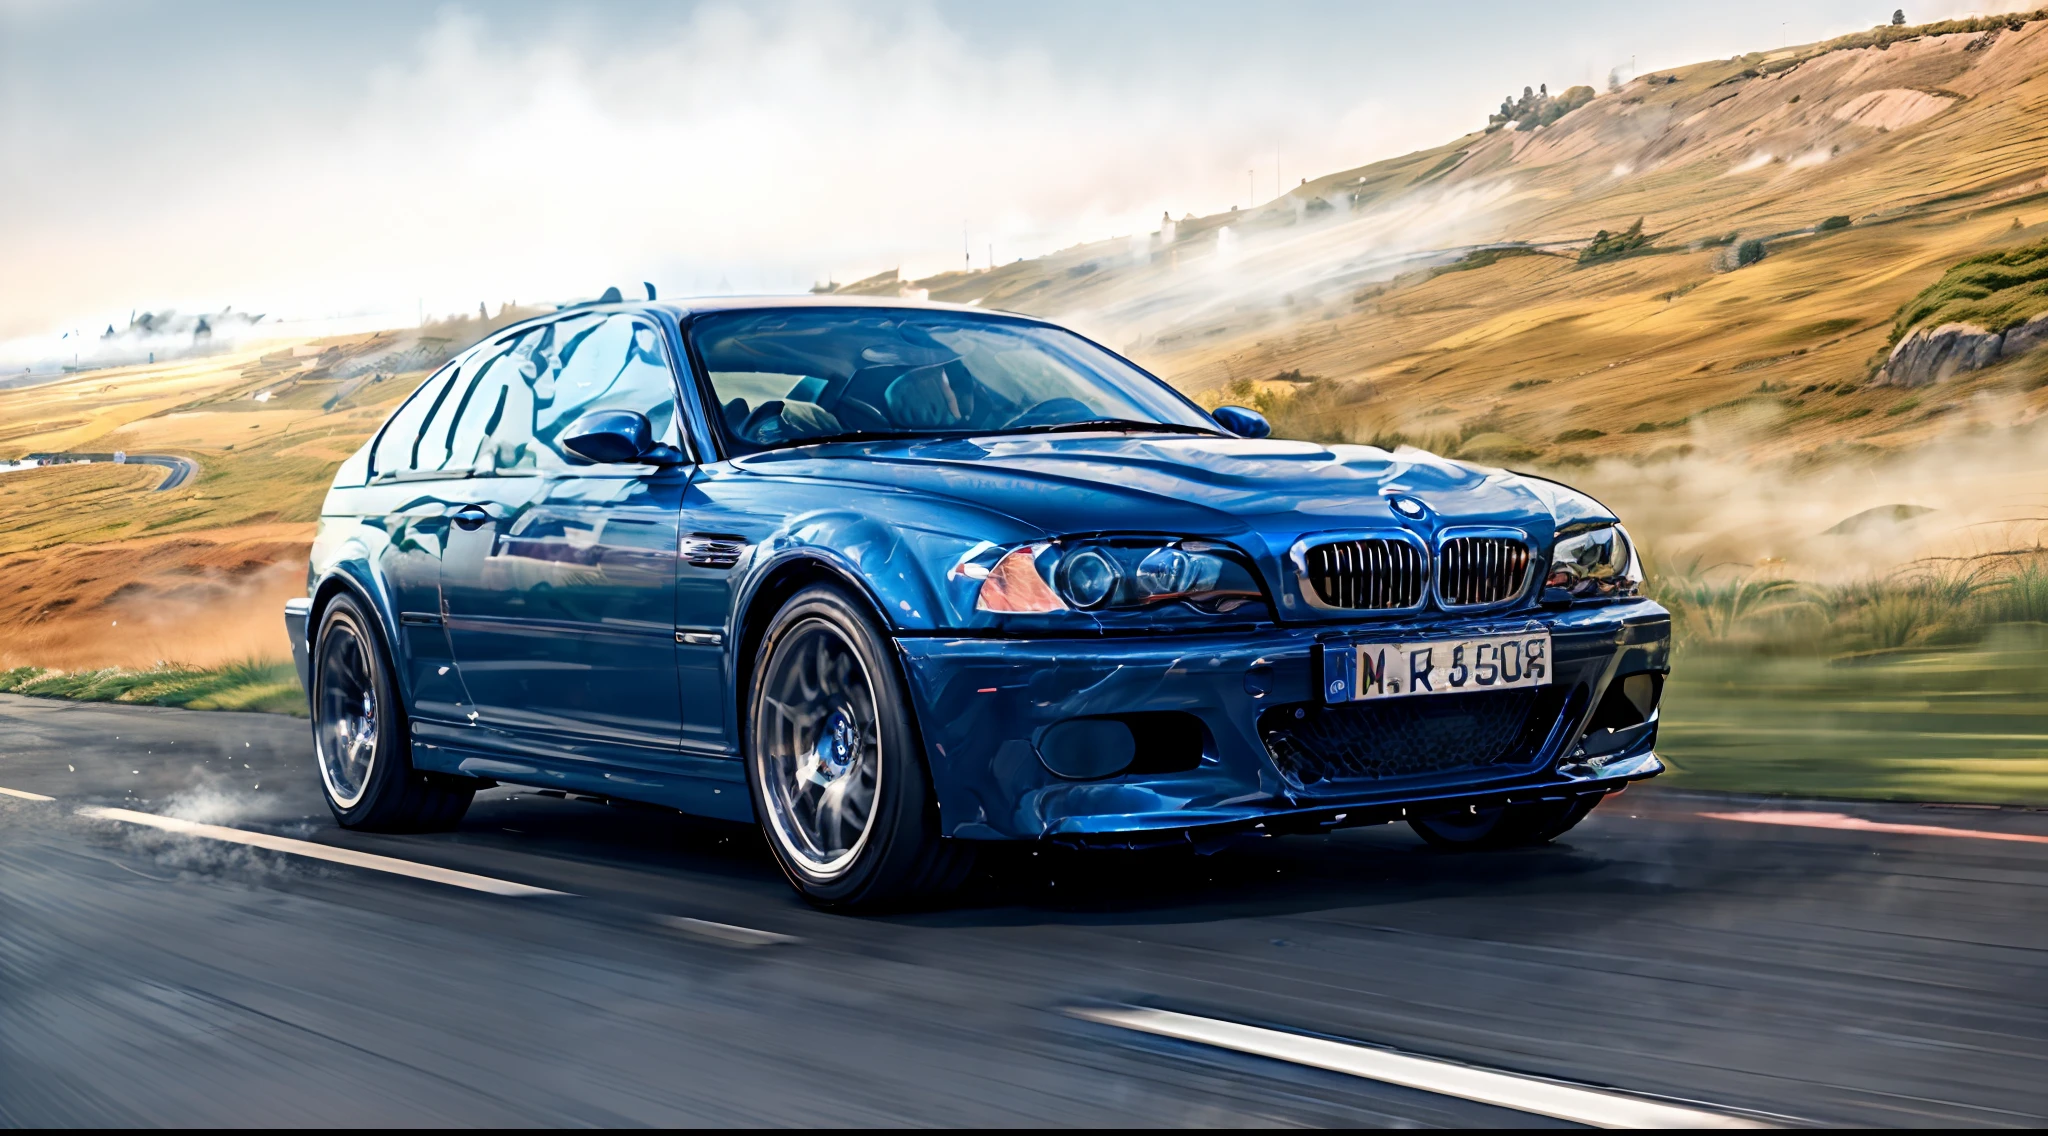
(98, 569)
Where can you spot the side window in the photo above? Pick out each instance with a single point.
(565, 370)
(496, 389)
(395, 445)
(439, 432)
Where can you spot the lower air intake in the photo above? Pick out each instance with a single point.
(1494, 730)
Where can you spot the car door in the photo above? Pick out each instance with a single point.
(560, 574)
(410, 500)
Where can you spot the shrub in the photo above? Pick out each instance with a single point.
(1749, 252)
(1581, 434)
(1537, 108)
(1608, 246)
(1835, 222)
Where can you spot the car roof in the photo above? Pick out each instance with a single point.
(685, 308)
(702, 305)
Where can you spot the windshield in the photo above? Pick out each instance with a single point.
(794, 376)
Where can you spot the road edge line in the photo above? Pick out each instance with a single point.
(725, 934)
(1516, 1091)
(1843, 822)
(328, 852)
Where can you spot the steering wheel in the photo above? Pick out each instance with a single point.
(1052, 412)
(767, 413)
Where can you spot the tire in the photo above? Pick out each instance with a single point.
(1504, 826)
(361, 746)
(835, 765)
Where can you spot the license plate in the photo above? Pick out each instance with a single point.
(1359, 672)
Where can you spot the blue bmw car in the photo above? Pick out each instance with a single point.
(896, 580)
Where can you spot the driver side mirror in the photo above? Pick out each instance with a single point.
(1242, 422)
(611, 437)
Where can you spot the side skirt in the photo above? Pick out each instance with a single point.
(699, 786)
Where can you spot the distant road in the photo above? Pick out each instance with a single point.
(181, 468)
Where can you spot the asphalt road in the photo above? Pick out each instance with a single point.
(180, 468)
(1815, 975)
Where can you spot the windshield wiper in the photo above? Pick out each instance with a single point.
(863, 436)
(1127, 425)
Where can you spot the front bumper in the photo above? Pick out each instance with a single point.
(296, 611)
(985, 707)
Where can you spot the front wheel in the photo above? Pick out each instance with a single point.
(833, 762)
(1504, 826)
(359, 740)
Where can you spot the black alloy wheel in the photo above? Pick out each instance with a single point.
(835, 766)
(359, 738)
(1503, 826)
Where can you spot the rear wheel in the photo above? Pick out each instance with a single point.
(1504, 826)
(359, 738)
(833, 762)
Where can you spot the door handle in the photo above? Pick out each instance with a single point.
(472, 515)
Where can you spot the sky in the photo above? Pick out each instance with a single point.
(324, 160)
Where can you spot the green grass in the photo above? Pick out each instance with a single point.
(1964, 724)
(1993, 290)
(253, 684)
(1927, 684)
(1940, 603)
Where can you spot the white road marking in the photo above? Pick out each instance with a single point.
(723, 933)
(331, 854)
(1858, 824)
(26, 795)
(1507, 1090)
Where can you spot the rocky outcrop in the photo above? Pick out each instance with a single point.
(1930, 355)
(2025, 337)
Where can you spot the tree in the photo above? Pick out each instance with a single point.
(1898, 17)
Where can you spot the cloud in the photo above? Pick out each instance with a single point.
(764, 148)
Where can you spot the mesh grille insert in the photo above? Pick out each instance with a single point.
(1406, 737)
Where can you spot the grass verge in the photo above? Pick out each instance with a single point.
(1930, 683)
(1956, 724)
(264, 685)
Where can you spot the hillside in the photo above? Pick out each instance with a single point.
(1392, 281)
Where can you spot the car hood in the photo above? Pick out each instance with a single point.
(1230, 488)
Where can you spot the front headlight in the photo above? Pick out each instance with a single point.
(1595, 564)
(1108, 574)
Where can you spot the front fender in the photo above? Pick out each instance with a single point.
(345, 558)
(896, 548)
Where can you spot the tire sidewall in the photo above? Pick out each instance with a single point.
(393, 762)
(901, 792)
(1504, 826)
